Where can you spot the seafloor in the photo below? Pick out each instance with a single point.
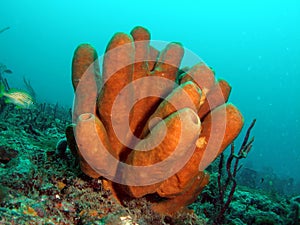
(41, 183)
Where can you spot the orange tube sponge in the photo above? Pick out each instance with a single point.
(141, 132)
(167, 142)
(186, 95)
(85, 79)
(202, 75)
(174, 205)
(117, 73)
(220, 128)
(157, 84)
(94, 147)
(83, 58)
(208, 146)
(169, 61)
(217, 95)
(141, 38)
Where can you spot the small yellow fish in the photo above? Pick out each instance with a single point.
(17, 97)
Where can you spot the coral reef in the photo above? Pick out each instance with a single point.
(41, 183)
(249, 206)
(147, 128)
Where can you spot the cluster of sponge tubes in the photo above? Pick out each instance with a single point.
(144, 126)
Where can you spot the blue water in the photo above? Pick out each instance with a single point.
(254, 45)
